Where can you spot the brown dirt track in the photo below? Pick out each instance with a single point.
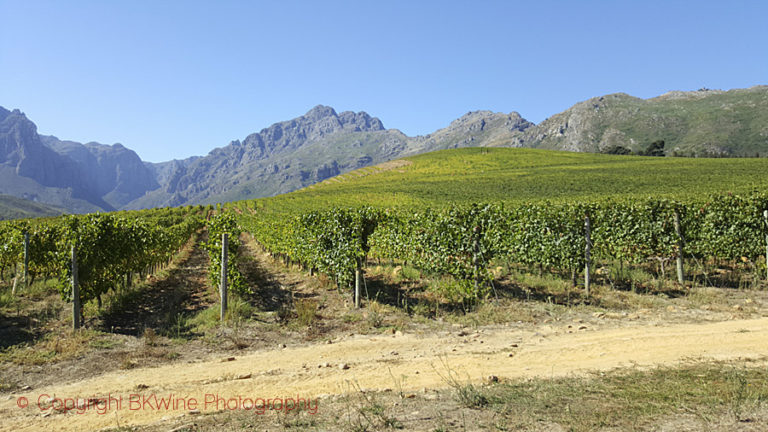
(374, 360)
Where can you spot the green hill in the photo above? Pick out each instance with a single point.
(704, 122)
(17, 208)
(518, 175)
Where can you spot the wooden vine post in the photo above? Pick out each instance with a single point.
(26, 258)
(357, 285)
(15, 278)
(75, 292)
(587, 253)
(765, 217)
(476, 257)
(223, 282)
(680, 245)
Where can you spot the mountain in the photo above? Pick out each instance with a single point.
(318, 145)
(281, 158)
(32, 171)
(79, 177)
(699, 123)
(113, 173)
(475, 129)
(323, 143)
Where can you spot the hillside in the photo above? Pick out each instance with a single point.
(17, 208)
(517, 175)
(699, 123)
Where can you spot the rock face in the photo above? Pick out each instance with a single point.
(476, 129)
(22, 150)
(114, 173)
(32, 171)
(281, 158)
(93, 176)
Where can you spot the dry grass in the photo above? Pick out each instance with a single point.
(60, 346)
(306, 311)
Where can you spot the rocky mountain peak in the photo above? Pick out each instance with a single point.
(290, 135)
(324, 119)
(471, 117)
(3, 113)
(17, 134)
(479, 120)
(15, 118)
(319, 112)
(360, 122)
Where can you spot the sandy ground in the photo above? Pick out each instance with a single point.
(404, 362)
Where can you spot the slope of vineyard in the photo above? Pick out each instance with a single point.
(462, 176)
(541, 204)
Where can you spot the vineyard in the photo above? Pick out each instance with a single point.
(462, 213)
(394, 257)
(463, 242)
(101, 252)
(516, 176)
(447, 235)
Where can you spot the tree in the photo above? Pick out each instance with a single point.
(656, 148)
(617, 150)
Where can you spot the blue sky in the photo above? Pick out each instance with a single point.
(171, 79)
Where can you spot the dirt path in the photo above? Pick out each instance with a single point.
(398, 361)
(271, 289)
(156, 305)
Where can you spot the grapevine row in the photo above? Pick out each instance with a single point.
(108, 246)
(461, 241)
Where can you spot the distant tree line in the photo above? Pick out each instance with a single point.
(656, 148)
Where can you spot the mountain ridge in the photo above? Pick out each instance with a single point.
(323, 143)
(704, 122)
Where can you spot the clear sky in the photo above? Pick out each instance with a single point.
(172, 79)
